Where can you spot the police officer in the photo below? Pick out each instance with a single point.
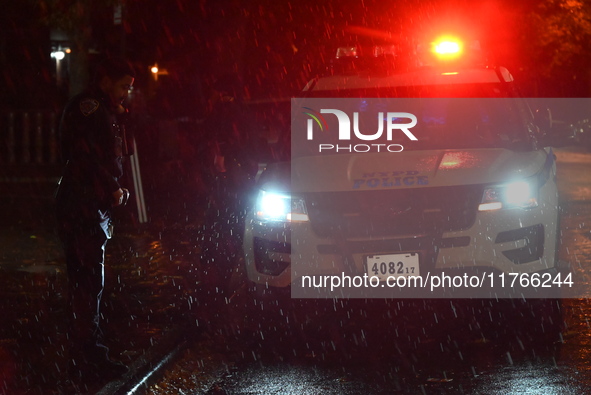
(92, 147)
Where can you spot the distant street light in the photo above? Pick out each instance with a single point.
(58, 55)
(156, 71)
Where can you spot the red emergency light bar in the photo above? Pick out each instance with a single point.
(447, 48)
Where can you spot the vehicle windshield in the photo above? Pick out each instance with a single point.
(453, 123)
(467, 116)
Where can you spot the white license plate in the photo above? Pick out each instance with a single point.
(393, 265)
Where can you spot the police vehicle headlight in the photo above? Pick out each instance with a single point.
(518, 194)
(280, 207)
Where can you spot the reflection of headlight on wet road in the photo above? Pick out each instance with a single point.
(518, 194)
(280, 207)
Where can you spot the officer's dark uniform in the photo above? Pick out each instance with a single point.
(92, 148)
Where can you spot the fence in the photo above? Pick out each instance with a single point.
(28, 146)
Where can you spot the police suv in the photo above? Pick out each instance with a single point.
(455, 185)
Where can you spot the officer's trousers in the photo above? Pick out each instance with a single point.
(85, 256)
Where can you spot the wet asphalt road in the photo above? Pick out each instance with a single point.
(147, 304)
(411, 346)
(155, 285)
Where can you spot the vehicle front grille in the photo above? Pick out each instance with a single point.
(394, 212)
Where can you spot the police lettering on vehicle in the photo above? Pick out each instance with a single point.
(385, 179)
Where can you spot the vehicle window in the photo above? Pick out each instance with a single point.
(468, 123)
(442, 123)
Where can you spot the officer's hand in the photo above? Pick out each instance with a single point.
(120, 197)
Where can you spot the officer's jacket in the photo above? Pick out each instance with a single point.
(91, 145)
